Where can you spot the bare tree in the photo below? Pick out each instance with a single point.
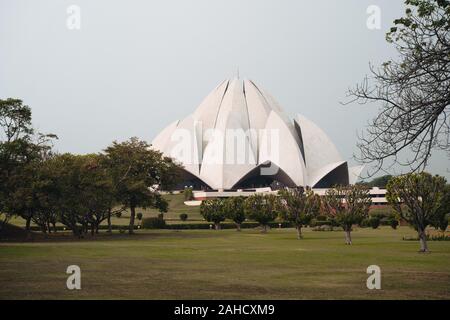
(413, 91)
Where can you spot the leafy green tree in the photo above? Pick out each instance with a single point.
(234, 210)
(417, 197)
(440, 219)
(28, 199)
(115, 208)
(97, 190)
(137, 172)
(380, 182)
(15, 125)
(262, 208)
(299, 207)
(20, 149)
(213, 211)
(347, 205)
(60, 191)
(162, 205)
(412, 91)
(15, 120)
(74, 190)
(188, 194)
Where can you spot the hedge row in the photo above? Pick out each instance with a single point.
(157, 223)
(101, 227)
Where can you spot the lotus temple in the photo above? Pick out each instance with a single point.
(239, 138)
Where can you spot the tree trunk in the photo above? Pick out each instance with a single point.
(348, 237)
(238, 227)
(54, 227)
(28, 224)
(132, 216)
(109, 222)
(27, 227)
(217, 226)
(299, 232)
(423, 241)
(43, 227)
(77, 231)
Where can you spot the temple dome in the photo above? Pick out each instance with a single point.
(239, 137)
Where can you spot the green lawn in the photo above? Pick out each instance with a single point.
(225, 264)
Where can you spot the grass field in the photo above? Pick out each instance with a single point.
(225, 264)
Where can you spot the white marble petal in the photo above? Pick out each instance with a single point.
(282, 150)
(240, 107)
(319, 149)
(354, 173)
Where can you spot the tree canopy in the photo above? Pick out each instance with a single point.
(348, 205)
(137, 171)
(417, 198)
(262, 208)
(234, 210)
(78, 191)
(299, 207)
(412, 91)
(213, 211)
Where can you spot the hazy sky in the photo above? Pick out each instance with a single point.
(136, 66)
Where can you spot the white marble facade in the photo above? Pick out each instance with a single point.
(240, 131)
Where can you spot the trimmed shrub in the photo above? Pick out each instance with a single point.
(326, 227)
(225, 225)
(328, 222)
(441, 237)
(393, 223)
(364, 223)
(188, 194)
(183, 216)
(318, 223)
(374, 222)
(153, 223)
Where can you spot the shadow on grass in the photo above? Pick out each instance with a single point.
(16, 234)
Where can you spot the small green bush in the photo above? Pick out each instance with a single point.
(374, 222)
(441, 237)
(393, 223)
(364, 223)
(188, 194)
(327, 222)
(183, 216)
(326, 227)
(225, 225)
(139, 215)
(153, 223)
